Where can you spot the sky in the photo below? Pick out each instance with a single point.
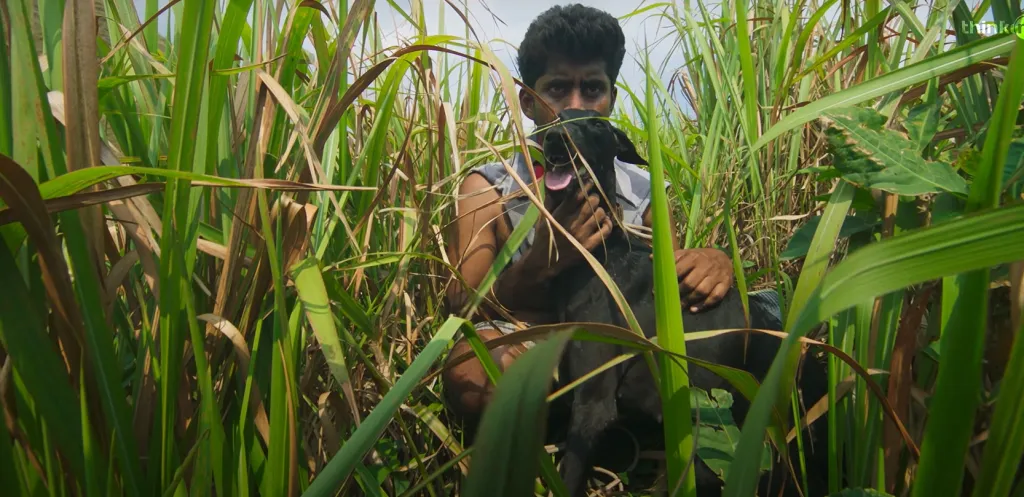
(505, 22)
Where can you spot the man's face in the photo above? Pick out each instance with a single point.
(567, 85)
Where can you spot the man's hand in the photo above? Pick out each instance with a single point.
(582, 217)
(705, 276)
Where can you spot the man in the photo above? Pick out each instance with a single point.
(571, 57)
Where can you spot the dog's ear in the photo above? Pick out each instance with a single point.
(626, 149)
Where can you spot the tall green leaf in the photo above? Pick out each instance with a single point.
(177, 239)
(352, 452)
(675, 381)
(309, 284)
(957, 389)
(1005, 444)
(24, 337)
(511, 433)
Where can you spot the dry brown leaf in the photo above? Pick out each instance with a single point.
(901, 379)
(81, 103)
(242, 361)
(137, 215)
(19, 191)
(89, 198)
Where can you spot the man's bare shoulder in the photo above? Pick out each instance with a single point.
(479, 203)
(476, 189)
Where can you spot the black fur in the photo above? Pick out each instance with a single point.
(625, 396)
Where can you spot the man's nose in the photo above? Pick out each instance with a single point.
(574, 99)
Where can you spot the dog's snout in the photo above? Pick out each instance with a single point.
(556, 134)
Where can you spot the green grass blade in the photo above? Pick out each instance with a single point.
(76, 181)
(100, 349)
(1005, 444)
(6, 116)
(309, 284)
(37, 131)
(750, 100)
(92, 466)
(675, 382)
(352, 452)
(851, 39)
(177, 239)
(38, 365)
(745, 470)
(511, 433)
(945, 63)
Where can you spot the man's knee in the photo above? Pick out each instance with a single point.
(467, 389)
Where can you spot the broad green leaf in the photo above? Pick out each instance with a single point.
(870, 156)
(922, 123)
(975, 241)
(309, 283)
(1014, 162)
(980, 240)
(716, 434)
(511, 433)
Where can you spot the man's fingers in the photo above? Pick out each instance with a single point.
(591, 206)
(691, 278)
(587, 224)
(699, 296)
(686, 262)
(595, 239)
(716, 296)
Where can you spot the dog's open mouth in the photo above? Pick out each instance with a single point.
(558, 178)
(559, 173)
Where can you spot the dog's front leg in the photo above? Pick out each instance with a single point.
(594, 409)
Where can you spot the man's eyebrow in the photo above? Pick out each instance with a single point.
(558, 78)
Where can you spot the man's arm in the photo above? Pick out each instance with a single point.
(522, 286)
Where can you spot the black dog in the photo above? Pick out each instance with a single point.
(625, 396)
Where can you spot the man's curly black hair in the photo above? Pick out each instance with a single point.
(576, 32)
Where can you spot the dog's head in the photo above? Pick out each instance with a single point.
(584, 133)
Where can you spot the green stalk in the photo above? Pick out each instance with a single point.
(1005, 444)
(675, 389)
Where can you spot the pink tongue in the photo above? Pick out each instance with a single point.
(557, 180)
